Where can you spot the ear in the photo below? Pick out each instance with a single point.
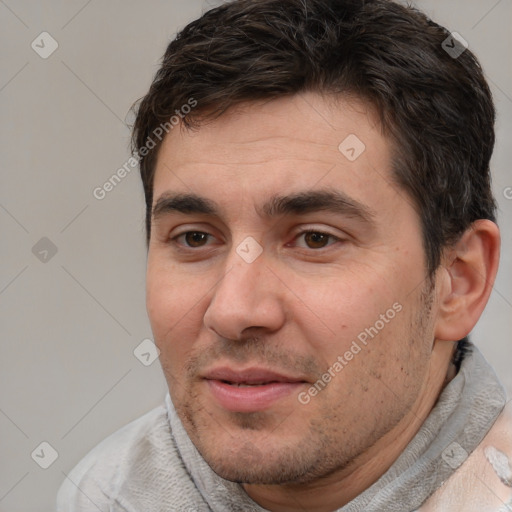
(465, 280)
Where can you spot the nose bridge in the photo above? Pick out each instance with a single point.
(244, 297)
(245, 265)
(241, 285)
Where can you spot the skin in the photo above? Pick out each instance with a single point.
(304, 300)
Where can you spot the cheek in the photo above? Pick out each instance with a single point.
(343, 306)
(160, 300)
(364, 318)
(170, 306)
(171, 330)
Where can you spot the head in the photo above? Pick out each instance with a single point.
(319, 217)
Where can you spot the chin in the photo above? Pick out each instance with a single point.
(262, 472)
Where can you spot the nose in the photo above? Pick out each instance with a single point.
(246, 297)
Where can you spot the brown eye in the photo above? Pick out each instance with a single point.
(195, 238)
(316, 240)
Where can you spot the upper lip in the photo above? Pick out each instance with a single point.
(253, 375)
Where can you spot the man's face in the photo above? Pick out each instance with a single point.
(287, 354)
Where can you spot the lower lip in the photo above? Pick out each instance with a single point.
(250, 398)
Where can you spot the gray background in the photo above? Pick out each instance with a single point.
(69, 324)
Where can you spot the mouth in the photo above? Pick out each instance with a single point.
(246, 385)
(251, 389)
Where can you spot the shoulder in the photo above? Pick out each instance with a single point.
(139, 456)
(483, 483)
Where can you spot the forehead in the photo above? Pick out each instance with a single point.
(288, 145)
(255, 129)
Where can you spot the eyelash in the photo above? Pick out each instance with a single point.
(174, 240)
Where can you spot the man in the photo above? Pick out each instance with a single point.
(321, 241)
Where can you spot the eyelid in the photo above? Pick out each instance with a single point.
(314, 229)
(192, 227)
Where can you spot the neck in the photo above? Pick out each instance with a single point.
(341, 487)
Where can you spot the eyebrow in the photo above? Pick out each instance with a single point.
(300, 203)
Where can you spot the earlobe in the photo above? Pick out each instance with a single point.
(466, 280)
